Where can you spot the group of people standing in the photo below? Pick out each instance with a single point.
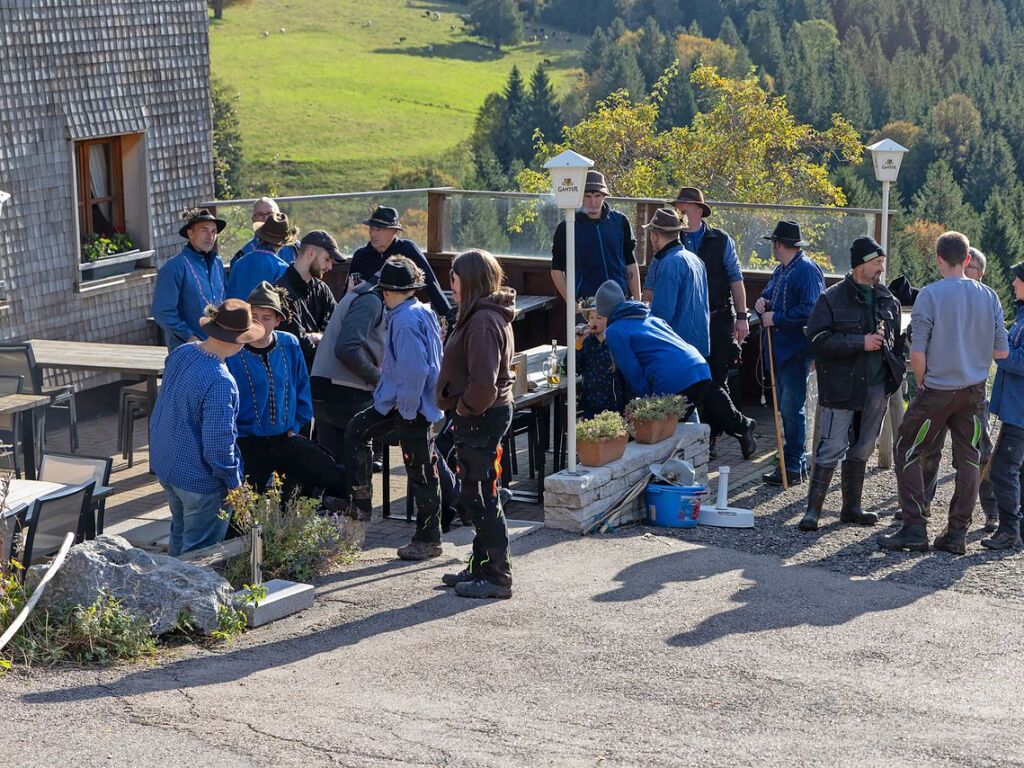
(256, 357)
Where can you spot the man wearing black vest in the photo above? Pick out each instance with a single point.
(727, 298)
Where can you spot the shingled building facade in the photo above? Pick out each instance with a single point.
(105, 128)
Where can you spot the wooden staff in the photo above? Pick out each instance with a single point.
(778, 419)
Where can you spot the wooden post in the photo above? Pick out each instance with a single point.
(439, 222)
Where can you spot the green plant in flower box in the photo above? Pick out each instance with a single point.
(96, 246)
(656, 408)
(607, 425)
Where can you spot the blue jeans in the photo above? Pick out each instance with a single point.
(1007, 463)
(791, 381)
(195, 519)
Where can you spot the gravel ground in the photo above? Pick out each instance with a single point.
(853, 550)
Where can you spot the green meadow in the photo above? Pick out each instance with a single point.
(336, 100)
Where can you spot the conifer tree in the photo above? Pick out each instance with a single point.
(542, 106)
(941, 200)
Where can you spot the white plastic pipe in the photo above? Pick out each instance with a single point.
(723, 488)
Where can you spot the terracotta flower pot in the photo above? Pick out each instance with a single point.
(599, 454)
(648, 432)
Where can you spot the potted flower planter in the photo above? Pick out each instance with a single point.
(652, 431)
(110, 266)
(597, 454)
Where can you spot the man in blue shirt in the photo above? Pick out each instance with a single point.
(275, 406)
(262, 263)
(677, 289)
(403, 403)
(261, 211)
(605, 247)
(191, 281)
(192, 430)
(784, 306)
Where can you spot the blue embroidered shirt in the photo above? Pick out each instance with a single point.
(273, 388)
(250, 270)
(192, 429)
(412, 362)
(286, 254)
(184, 286)
(679, 284)
(791, 294)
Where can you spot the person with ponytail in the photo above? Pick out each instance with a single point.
(475, 387)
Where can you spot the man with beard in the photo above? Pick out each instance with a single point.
(854, 329)
(310, 301)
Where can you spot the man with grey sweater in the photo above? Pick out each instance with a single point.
(958, 332)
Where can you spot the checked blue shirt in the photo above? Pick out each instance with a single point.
(192, 429)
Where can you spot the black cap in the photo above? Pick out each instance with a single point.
(321, 239)
(864, 249)
(398, 276)
(1018, 270)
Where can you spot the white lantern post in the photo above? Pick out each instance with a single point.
(568, 179)
(886, 156)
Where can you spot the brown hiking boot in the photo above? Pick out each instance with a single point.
(420, 550)
(951, 541)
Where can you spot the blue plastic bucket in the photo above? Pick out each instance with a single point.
(674, 506)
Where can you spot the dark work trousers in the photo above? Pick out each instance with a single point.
(333, 409)
(718, 411)
(932, 410)
(299, 461)
(695, 394)
(930, 467)
(1007, 466)
(451, 486)
(478, 444)
(417, 454)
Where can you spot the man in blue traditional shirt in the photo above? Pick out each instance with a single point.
(262, 263)
(261, 211)
(275, 405)
(784, 306)
(191, 281)
(192, 430)
(403, 403)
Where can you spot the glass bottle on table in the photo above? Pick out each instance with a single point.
(551, 367)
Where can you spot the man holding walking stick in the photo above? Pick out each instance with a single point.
(784, 306)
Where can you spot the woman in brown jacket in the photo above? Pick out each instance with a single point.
(475, 386)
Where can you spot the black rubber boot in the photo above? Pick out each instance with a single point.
(852, 483)
(912, 537)
(821, 479)
(954, 542)
(1006, 537)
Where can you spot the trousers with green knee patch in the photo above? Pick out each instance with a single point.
(931, 411)
(478, 445)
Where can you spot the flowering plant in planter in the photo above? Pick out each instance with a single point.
(653, 419)
(96, 246)
(601, 439)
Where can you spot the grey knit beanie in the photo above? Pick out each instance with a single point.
(608, 297)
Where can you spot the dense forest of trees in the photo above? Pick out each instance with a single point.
(943, 79)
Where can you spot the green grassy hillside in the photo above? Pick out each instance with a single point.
(331, 103)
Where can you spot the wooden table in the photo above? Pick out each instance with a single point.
(524, 304)
(126, 359)
(20, 495)
(12, 404)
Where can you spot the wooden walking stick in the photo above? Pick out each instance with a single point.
(778, 419)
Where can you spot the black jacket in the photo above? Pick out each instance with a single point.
(367, 262)
(836, 330)
(311, 307)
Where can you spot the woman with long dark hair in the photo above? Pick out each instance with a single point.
(475, 386)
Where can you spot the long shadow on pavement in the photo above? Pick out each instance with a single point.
(239, 664)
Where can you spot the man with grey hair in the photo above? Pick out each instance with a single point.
(974, 269)
(263, 209)
(958, 332)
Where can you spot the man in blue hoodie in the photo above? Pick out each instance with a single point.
(403, 403)
(650, 355)
(191, 281)
(1008, 404)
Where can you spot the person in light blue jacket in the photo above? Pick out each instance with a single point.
(191, 281)
(403, 403)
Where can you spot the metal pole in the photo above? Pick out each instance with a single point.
(256, 554)
(885, 220)
(885, 438)
(570, 335)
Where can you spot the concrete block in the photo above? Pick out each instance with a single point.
(283, 599)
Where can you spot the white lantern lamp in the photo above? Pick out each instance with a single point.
(568, 182)
(887, 156)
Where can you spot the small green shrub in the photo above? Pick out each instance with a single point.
(298, 543)
(607, 425)
(95, 247)
(656, 408)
